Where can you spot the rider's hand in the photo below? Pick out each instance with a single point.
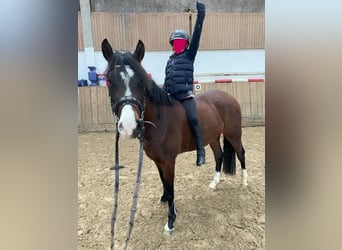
(200, 6)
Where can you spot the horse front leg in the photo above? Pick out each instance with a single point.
(169, 227)
(163, 198)
(169, 192)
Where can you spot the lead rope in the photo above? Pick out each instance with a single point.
(136, 193)
(138, 179)
(137, 183)
(116, 189)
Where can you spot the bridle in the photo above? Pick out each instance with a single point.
(131, 100)
(119, 104)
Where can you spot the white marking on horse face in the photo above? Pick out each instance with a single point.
(127, 122)
(126, 77)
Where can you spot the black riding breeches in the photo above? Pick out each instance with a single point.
(191, 111)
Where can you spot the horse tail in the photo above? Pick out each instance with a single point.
(229, 165)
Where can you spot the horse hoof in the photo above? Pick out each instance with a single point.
(163, 202)
(243, 186)
(213, 185)
(244, 178)
(167, 230)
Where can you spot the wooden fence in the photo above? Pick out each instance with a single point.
(250, 95)
(220, 30)
(94, 111)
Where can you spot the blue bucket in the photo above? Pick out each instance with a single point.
(92, 76)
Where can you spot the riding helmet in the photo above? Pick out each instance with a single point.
(179, 34)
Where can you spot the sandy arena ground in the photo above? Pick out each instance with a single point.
(230, 217)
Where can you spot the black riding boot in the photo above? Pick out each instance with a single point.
(200, 148)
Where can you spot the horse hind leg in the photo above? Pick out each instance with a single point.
(229, 164)
(218, 154)
(244, 176)
(230, 149)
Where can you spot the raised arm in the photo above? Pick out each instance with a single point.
(196, 35)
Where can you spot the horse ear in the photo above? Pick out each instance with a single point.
(139, 51)
(107, 50)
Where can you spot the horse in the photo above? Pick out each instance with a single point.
(142, 108)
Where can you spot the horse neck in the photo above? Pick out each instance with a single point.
(151, 112)
(160, 116)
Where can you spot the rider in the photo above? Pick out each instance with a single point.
(179, 76)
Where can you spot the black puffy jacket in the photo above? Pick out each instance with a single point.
(179, 71)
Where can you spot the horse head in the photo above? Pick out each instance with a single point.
(127, 81)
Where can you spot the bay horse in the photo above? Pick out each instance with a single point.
(133, 94)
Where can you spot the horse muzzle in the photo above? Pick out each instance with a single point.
(129, 124)
(131, 133)
(128, 111)
(127, 121)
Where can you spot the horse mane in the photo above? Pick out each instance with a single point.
(155, 93)
(159, 95)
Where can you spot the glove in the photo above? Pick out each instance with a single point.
(200, 6)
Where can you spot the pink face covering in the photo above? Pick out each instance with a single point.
(179, 45)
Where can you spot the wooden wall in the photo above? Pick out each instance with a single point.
(94, 111)
(220, 30)
(250, 95)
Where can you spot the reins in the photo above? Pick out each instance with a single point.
(138, 178)
(116, 188)
(136, 193)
